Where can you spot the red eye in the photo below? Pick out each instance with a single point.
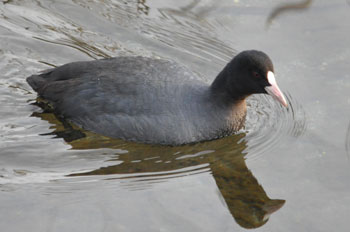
(256, 74)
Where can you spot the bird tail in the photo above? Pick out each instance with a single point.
(36, 82)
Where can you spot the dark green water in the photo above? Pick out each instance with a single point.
(288, 170)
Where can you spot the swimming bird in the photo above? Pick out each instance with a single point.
(156, 101)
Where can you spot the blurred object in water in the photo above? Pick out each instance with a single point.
(285, 8)
(142, 7)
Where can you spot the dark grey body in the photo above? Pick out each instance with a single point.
(140, 99)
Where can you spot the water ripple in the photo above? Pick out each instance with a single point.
(268, 123)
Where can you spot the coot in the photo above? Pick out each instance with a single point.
(156, 101)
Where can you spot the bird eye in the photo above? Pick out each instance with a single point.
(256, 74)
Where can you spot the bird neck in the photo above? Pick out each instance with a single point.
(226, 85)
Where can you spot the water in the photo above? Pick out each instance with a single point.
(288, 170)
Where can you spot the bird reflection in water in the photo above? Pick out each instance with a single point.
(244, 196)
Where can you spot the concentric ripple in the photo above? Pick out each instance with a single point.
(268, 123)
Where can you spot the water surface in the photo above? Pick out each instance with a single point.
(287, 170)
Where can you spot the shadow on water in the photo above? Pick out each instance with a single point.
(287, 8)
(224, 158)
